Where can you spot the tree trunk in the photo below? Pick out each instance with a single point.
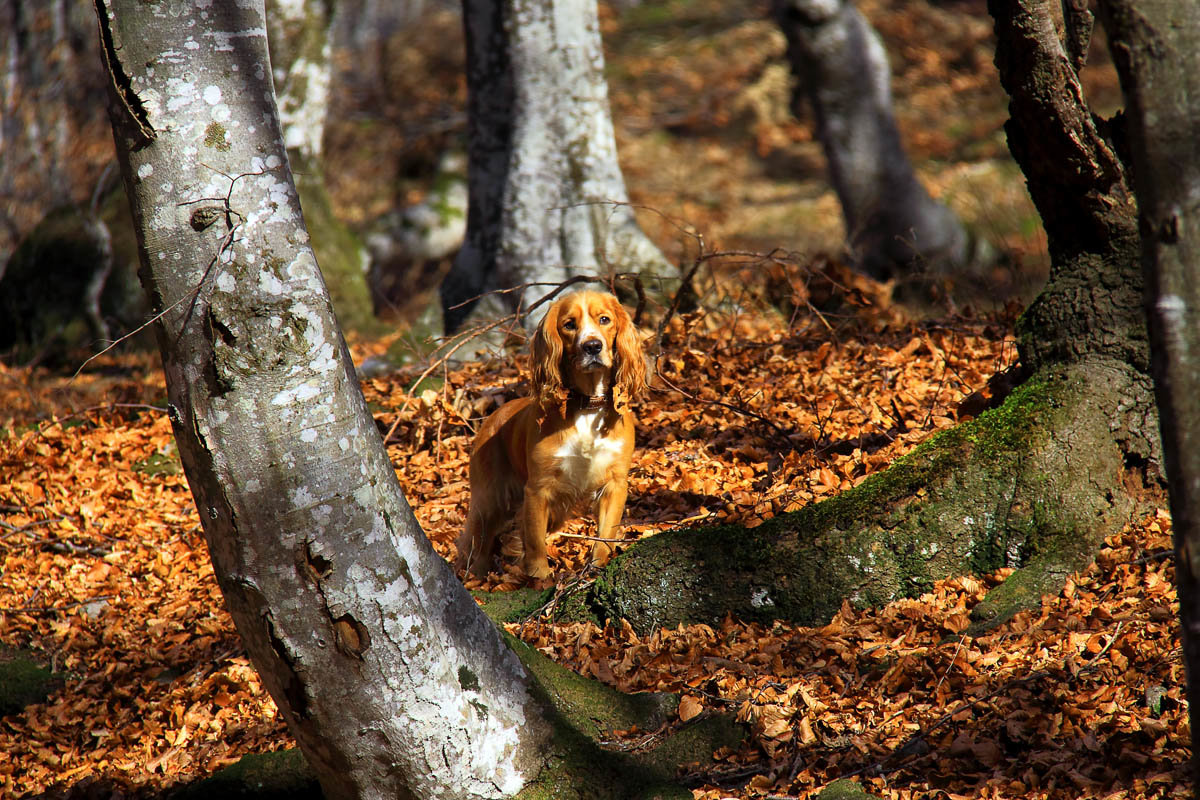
(300, 35)
(1156, 48)
(392, 681)
(545, 186)
(893, 226)
(1036, 483)
(48, 96)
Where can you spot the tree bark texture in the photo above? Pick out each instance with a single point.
(300, 35)
(1092, 302)
(1155, 45)
(546, 190)
(391, 680)
(1068, 458)
(892, 224)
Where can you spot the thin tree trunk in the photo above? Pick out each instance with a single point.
(892, 224)
(1156, 47)
(300, 37)
(391, 680)
(546, 191)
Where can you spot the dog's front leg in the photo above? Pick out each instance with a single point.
(535, 520)
(609, 508)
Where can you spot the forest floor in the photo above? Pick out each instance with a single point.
(794, 381)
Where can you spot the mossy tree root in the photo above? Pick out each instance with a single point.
(1035, 484)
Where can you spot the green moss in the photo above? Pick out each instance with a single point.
(281, 775)
(844, 789)
(1021, 484)
(591, 707)
(515, 606)
(468, 680)
(23, 681)
(214, 136)
(582, 710)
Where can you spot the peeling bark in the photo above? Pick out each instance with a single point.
(546, 191)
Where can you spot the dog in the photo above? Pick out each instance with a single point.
(568, 443)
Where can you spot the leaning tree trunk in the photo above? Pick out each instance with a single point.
(1036, 483)
(893, 226)
(390, 678)
(546, 191)
(1156, 48)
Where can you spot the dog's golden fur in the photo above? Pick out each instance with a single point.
(568, 443)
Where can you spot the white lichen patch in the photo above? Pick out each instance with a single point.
(269, 283)
(301, 497)
(180, 94)
(760, 598)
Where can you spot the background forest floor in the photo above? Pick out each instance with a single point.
(106, 575)
(762, 405)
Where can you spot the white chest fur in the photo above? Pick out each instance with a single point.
(587, 452)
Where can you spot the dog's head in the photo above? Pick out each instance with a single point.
(586, 339)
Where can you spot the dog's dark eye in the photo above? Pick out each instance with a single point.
(604, 319)
(569, 325)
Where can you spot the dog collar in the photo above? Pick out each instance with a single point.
(594, 402)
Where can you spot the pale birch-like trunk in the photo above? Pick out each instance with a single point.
(545, 185)
(300, 33)
(391, 680)
(1155, 45)
(893, 226)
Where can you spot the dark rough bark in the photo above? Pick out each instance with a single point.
(1092, 303)
(1156, 47)
(1036, 483)
(892, 224)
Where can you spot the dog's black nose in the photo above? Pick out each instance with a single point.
(593, 347)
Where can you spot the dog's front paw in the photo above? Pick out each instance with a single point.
(537, 569)
(601, 553)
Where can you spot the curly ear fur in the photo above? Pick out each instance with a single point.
(630, 362)
(545, 364)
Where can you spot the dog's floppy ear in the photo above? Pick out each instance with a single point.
(630, 366)
(545, 364)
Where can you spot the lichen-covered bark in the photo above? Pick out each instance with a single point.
(391, 680)
(545, 186)
(299, 33)
(1039, 481)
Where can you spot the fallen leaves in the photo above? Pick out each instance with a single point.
(106, 574)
